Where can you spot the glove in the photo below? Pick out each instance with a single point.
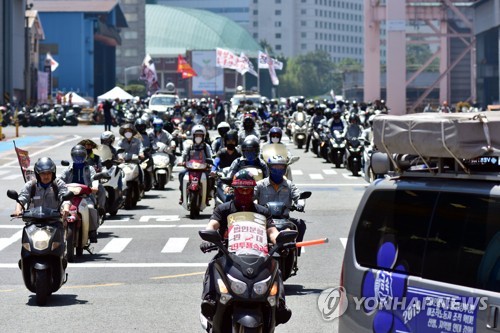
(299, 207)
(204, 246)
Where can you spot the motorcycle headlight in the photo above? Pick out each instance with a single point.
(41, 239)
(237, 286)
(261, 287)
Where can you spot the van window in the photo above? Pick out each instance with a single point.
(448, 237)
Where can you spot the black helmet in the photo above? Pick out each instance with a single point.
(45, 164)
(243, 178)
(250, 148)
(78, 154)
(107, 138)
(140, 126)
(353, 119)
(275, 132)
(231, 135)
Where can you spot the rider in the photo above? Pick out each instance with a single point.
(250, 148)
(313, 124)
(354, 129)
(225, 156)
(249, 128)
(243, 184)
(199, 150)
(277, 188)
(95, 161)
(44, 191)
(107, 139)
(82, 173)
(158, 134)
(218, 143)
(336, 123)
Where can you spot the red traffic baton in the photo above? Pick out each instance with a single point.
(312, 242)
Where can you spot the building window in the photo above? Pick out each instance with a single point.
(255, 23)
(303, 23)
(130, 2)
(131, 17)
(303, 34)
(278, 47)
(277, 1)
(303, 46)
(303, 11)
(256, 12)
(277, 12)
(130, 35)
(255, 1)
(255, 35)
(130, 52)
(277, 24)
(277, 36)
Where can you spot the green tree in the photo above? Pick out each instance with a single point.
(417, 55)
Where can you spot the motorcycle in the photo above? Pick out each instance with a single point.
(43, 261)
(162, 169)
(71, 118)
(288, 261)
(299, 130)
(112, 181)
(336, 148)
(132, 190)
(354, 154)
(195, 189)
(273, 149)
(247, 278)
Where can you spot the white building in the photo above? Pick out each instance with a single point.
(295, 27)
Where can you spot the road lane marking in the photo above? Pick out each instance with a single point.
(344, 242)
(349, 176)
(126, 219)
(11, 177)
(329, 172)
(4, 242)
(3, 172)
(316, 176)
(126, 265)
(94, 285)
(175, 245)
(192, 225)
(297, 172)
(160, 218)
(116, 245)
(176, 276)
(332, 185)
(137, 226)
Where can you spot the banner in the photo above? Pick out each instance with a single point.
(226, 59)
(245, 65)
(53, 64)
(24, 161)
(264, 62)
(184, 68)
(272, 72)
(210, 79)
(148, 74)
(247, 233)
(42, 87)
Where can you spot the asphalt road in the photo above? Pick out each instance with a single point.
(145, 273)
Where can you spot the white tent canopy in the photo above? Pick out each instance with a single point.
(76, 99)
(115, 93)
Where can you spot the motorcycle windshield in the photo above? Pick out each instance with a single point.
(256, 172)
(104, 152)
(41, 214)
(300, 118)
(274, 149)
(247, 234)
(196, 165)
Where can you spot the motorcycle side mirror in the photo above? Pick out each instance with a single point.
(68, 196)
(211, 236)
(286, 236)
(305, 195)
(294, 159)
(13, 195)
(64, 163)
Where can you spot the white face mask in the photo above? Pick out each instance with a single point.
(275, 140)
(198, 140)
(128, 135)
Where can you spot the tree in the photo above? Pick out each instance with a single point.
(417, 55)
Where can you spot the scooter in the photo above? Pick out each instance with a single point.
(162, 169)
(336, 148)
(246, 278)
(299, 130)
(195, 189)
(42, 262)
(354, 154)
(78, 220)
(130, 167)
(112, 181)
(287, 262)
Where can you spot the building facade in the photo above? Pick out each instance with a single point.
(296, 27)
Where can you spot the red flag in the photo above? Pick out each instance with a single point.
(24, 160)
(184, 68)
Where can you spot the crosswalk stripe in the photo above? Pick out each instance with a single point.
(297, 172)
(3, 172)
(12, 177)
(175, 245)
(116, 245)
(329, 172)
(315, 176)
(4, 242)
(344, 242)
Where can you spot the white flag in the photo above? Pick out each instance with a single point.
(226, 59)
(246, 65)
(148, 73)
(264, 62)
(272, 72)
(53, 64)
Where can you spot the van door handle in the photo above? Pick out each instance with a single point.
(493, 313)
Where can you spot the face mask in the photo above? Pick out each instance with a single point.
(276, 175)
(231, 146)
(198, 140)
(243, 201)
(128, 135)
(45, 186)
(78, 165)
(188, 120)
(250, 156)
(275, 140)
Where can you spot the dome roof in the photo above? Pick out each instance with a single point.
(173, 30)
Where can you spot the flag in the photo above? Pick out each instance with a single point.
(185, 68)
(24, 160)
(264, 63)
(226, 59)
(272, 72)
(246, 65)
(148, 74)
(53, 64)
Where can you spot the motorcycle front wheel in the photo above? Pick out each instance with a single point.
(42, 286)
(194, 201)
(70, 242)
(237, 328)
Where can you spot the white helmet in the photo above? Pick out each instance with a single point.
(199, 128)
(276, 159)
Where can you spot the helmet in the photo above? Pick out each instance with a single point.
(248, 122)
(44, 164)
(223, 128)
(146, 117)
(336, 113)
(157, 124)
(353, 119)
(275, 132)
(140, 125)
(78, 154)
(300, 106)
(328, 113)
(107, 138)
(243, 178)
(231, 135)
(127, 127)
(276, 160)
(129, 118)
(88, 142)
(250, 148)
(199, 128)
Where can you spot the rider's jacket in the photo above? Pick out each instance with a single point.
(285, 192)
(134, 146)
(43, 197)
(162, 136)
(195, 151)
(241, 162)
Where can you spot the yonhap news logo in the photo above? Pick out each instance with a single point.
(332, 303)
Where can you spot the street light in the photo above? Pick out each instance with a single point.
(126, 69)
